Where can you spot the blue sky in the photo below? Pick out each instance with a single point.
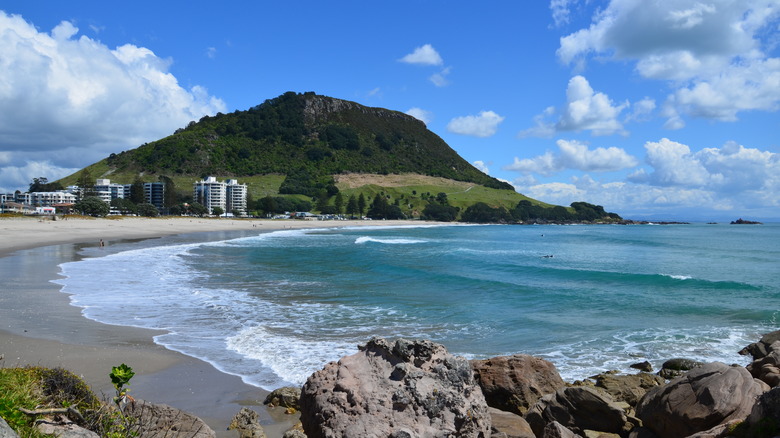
(653, 109)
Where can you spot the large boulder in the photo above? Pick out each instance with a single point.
(705, 397)
(579, 408)
(766, 365)
(286, 397)
(395, 389)
(156, 420)
(515, 383)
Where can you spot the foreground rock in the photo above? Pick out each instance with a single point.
(159, 420)
(286, 397)
(508, 425)
(515, 383)
(395, 389)
(579, 408)
(247, 423)
(706, 397)
(627, 388)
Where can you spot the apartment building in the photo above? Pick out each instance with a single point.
(228, 195)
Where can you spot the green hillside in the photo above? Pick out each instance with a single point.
(309, 147)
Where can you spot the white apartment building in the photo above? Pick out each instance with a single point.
(46, 199)
(228, 195)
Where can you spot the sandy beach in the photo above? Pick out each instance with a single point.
(38, 325)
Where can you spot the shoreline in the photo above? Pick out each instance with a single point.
(39, 326)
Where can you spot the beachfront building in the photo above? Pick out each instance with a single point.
(48, 199)
(228, 195)
(154, 193)
(108, 192)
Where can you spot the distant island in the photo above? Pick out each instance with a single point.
(741, 221)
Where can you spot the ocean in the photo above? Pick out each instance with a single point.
(274, 307)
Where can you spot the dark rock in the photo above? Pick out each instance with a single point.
(642, 432)
(515, 383)
(643, 366)
(509, 424)
(766, 409)
(579, 408)
(247, 423)
(674, 368)
(156, 420)
(766, 366)
(62, 427)
(628, 388)
(705, 397)
(286, 397)
(396, 389)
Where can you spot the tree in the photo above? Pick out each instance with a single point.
(339, 203)
(124, 206)
(197, 209)
(42, 184)
(137, 192)
(86, 184)
(92, 206)
(147, 210)
(352, 206)
(267, 205)
(361, 204)
(439, 212)
(169, 194)
(217, 211)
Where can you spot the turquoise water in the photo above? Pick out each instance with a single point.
(275, 307)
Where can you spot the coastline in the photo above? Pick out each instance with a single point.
(38, 326)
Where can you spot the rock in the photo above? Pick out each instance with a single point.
(579, 408)
(628, 388)
(515, 383)
(766, 409)
(706, 397)
(598, 434)
(395, 389)
(163, 420)
(509, 424)
(642, 432)
(286, 397)
(761, 348)
(719, 431)
(62, 427)
(767, 367)
(557, 430)
(247, 423)
(674, 368)
(642, 366)
(294, 433)
(5, 429)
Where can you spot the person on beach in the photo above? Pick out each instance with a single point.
(102, 244)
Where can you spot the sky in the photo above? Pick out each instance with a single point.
(655, 109)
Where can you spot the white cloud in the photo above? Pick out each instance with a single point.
(20, 177)
(211, 52)
(420, 114)
(61, 91)
(482, 167)
(714, 52)
(560, 11)
(584, 110)
(424, 55)
(485, 124)
(440, 79)
(575, 155)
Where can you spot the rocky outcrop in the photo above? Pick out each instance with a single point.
(247, 423)
(508, 425)
(156, 420)
(286, 397)
(766, 358)
(515, 383)
(579, 408)
(705, 397)
(395, 389)
(557, 430)
(61, 427)
(761, 348)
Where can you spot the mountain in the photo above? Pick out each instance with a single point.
(296, 133)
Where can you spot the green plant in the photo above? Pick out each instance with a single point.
(120, 376)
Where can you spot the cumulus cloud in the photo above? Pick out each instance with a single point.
(60, 91)
(575, 155)
(714, 53)
(485, 124)
(424, 55)
(420, 114)
(584, 110)
(731, 180)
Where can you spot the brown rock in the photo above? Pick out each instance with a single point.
(578, 408)
(515, 383)
(700, 400)
(557, 430)
(247, 423)
(286, 397)
(509, 424)
(395, 389)
(761, 348)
